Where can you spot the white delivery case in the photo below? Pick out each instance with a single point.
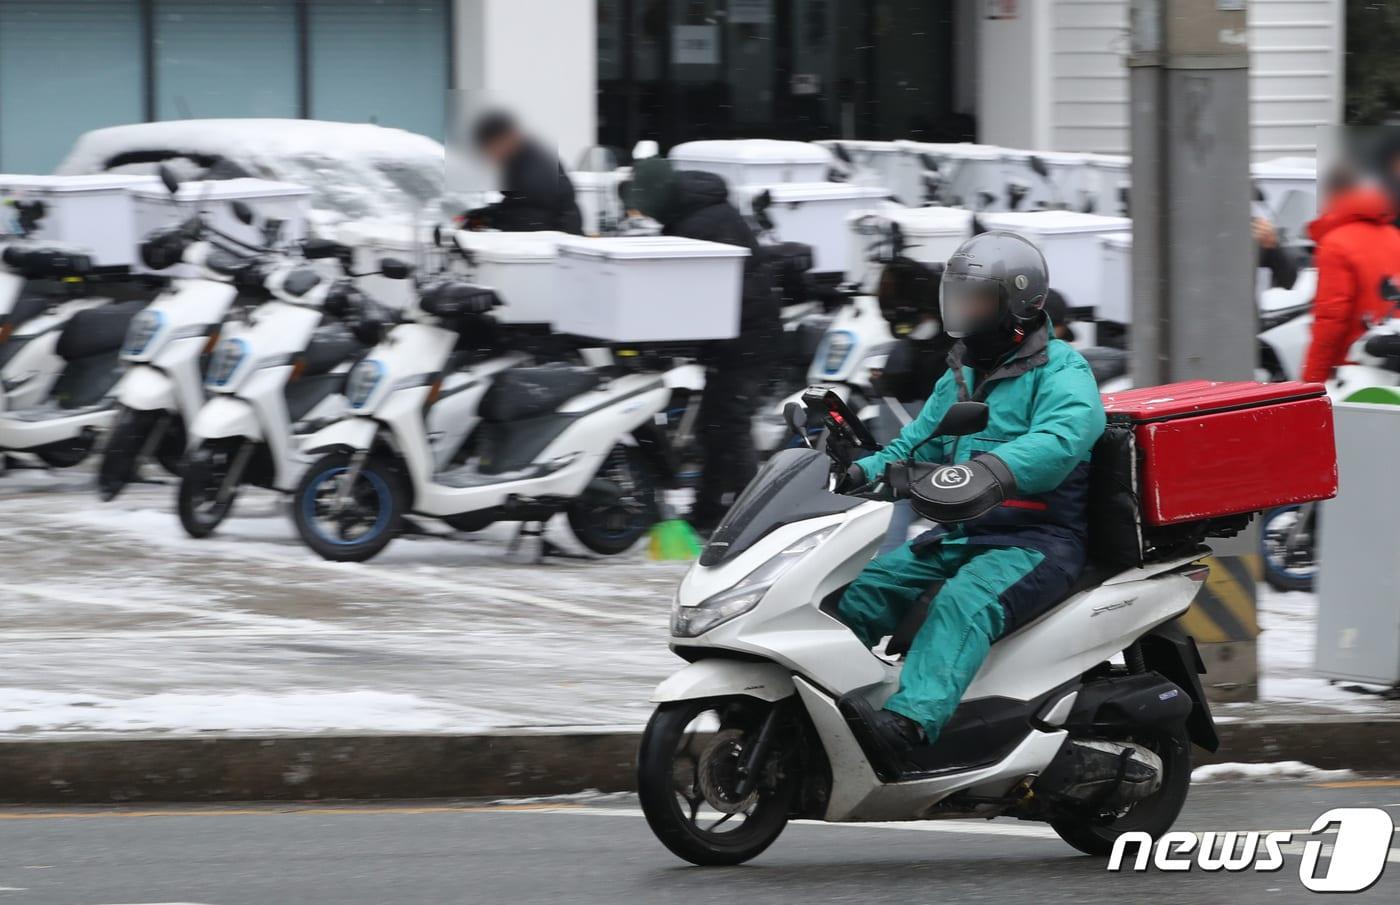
(1289, 187)
(1072, 247)
(280, 200)
(374, 240)
(816, 213)
(1068, 185)
(649, 289)
(880, 164)
(1107, 181)
(95, 213)
(598, 200)
(521, 267)
(965, 170)
(754, 161)
(1116, 297)
(931, 235)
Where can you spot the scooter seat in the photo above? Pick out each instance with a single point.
(46, 263)
(330, 345)
(522, 393)
(96, 331)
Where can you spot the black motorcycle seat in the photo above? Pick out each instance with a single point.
(330, 345)
(46, 263)
(526, 392)
(95, 331)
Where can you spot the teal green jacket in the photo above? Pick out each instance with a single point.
(1043, 424)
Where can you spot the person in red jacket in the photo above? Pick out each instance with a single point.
(1357, 245)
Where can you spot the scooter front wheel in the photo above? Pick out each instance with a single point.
(689, 781)
(202, 478)
(122, 451)
(348, 523)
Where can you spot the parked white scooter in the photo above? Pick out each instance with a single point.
(58, 353)
(553, 439)
(274, 378)
(755, 729)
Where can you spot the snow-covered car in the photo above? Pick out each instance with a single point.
(355, 171)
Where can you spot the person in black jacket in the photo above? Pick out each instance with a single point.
(695, 205)
(537, 192)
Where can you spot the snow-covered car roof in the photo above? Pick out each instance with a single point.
(354, 170)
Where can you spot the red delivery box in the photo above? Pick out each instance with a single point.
(1210, 449)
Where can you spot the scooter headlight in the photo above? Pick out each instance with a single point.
(836, 348)
(141, 332)
(693, 621)
(227, 357)
(363, 380)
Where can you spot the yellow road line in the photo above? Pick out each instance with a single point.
(1358, 784)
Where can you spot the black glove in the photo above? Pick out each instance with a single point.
(851, 478)
(960, 493)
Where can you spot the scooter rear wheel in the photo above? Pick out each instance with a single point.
(686, 781)
(1094, 834)
(619, 506)
(203, 474)
(371, 517)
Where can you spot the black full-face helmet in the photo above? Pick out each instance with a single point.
(995, 282)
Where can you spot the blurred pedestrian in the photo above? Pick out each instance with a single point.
(1358, 245)
(695, 205)
(537, 193)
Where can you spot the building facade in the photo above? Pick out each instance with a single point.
(1044, 74)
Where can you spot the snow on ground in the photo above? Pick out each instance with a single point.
(1288, 625)
(1283, 770)
(115, 621)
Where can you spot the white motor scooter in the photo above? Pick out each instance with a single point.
(758, 728)
(58, 354)
(275, 377)
(553, 439)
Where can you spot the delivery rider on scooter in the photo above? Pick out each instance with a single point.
(1000, 570)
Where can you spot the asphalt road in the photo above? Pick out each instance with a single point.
(582, 853)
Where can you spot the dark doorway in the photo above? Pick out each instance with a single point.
(680, 70)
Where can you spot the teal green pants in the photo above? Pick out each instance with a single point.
(964, 618)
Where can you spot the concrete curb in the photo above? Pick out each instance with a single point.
(494, 766)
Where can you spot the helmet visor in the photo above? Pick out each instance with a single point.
(970, 305)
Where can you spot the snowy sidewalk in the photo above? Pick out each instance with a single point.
(117, 624)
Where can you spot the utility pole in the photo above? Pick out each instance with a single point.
(1194, 260)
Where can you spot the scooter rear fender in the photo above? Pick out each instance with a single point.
(720, 677)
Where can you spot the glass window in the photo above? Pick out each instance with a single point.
(214, 58)
(380, 61)
(65, 68)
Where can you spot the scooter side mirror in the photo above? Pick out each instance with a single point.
(1038, 166)
(169, 179)
(242, 212)
(437, 235)
(394, 269)
(842, 154)
(963, 418)
(929, 162)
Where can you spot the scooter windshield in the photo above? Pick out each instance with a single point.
(790, 488)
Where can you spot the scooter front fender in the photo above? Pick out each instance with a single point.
(145, 389)
(719, 678)
(223, 417)
(351, 434)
